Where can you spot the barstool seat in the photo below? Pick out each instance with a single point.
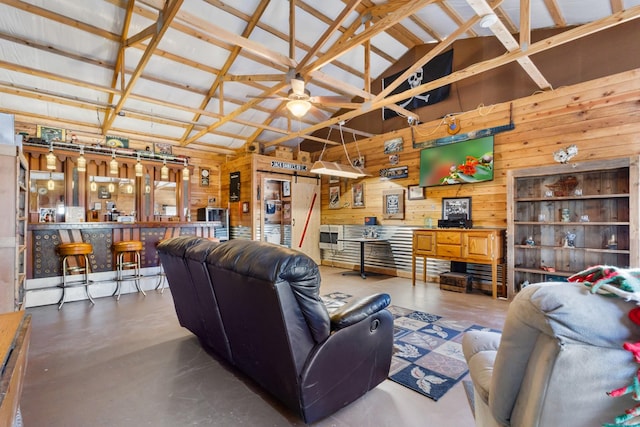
(121, 249)
(80, 251)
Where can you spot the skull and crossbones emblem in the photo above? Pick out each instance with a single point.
(414, 81)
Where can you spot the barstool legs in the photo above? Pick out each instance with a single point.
(121, 265)
(162, 280)
(84, 282)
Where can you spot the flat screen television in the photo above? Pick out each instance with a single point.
(457, 163)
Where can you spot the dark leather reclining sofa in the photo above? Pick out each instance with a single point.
(257, 305)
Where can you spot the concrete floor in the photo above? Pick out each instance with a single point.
(129, 363)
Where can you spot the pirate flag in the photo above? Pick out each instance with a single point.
(438, 67)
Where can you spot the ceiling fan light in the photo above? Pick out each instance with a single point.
(488, 20)
(337, 169)
(298, 107)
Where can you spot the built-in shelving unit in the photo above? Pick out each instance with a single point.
(13, 227)
(565, 218)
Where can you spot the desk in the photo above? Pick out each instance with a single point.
(363, 241)
(473, 245)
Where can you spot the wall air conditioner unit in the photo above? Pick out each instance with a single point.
(254, 147)
(331, 237)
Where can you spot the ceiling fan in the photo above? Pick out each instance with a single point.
(300, 101)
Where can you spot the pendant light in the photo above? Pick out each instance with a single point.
(113, 164)
(82, 162)
(112, 187)
(139, 168)
(50, 184)
(336, 168)
(164, 171)
(93, 186)
(51, 158)
(185, 171)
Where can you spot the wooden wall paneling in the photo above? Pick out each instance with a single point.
(600, 117)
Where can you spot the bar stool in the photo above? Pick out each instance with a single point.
(120, 249)
(79, 251)
(162, 277)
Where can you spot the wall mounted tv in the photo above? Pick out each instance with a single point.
(457, 163)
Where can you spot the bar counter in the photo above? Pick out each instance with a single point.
(43, 238)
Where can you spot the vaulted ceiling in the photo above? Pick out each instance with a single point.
(214, 75)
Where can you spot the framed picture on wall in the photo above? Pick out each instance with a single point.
(334, 197)
(204, 177)
(286, 189)
(415, 192)
(49, 134)
(393, 204)
(456, 207)
(357, 192)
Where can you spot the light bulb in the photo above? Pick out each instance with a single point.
(51, 160)
(185, 172)
(113, 165)
(82, 162)
(164, 171)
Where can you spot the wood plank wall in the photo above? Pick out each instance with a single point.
(601, 117)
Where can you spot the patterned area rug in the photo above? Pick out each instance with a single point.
(427, 348)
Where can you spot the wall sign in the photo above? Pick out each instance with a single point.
(286, 165)
(395, 173)
(234, 186)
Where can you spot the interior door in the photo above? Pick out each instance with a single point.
(305, 217)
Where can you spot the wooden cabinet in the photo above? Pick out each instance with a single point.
(13, 227)
(565, 218)
(15, 333)
(479, 246)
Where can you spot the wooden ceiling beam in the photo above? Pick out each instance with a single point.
(388, 21)
(482, 8)
(480, 67)
(167, 15)
(329, 32)
(555, 12)
(219, 76)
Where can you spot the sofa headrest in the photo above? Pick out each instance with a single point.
(178, 246)
(274, 263)
(572, 313)
(200, 251)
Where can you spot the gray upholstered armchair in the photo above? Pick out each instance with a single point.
(559, 354)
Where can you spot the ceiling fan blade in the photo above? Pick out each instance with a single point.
(320, 100)
(268, 97)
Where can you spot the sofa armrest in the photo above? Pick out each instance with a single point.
(358, 310)
(350, 362)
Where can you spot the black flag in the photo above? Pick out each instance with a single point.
(438, 67)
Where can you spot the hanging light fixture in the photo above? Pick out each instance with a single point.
(51, 185)
(51, 158)
(185, 171)
(139, 168)
(164, 171)
(338, 169)
(82, 162)
(112, 187)
(113, 164)
(298, 107)
(93, 186)
(129, 189)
